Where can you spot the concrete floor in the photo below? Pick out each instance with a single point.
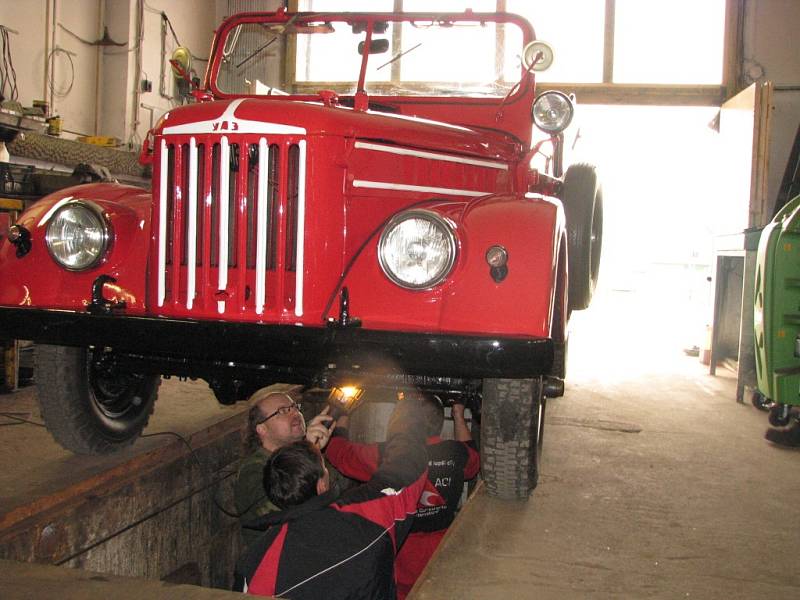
(655, 482)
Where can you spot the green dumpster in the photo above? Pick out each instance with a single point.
(777, 313)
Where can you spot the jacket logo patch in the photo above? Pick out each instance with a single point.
(431, 499)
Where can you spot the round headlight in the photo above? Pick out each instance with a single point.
(417, 249)
(552, 111)
(78, 235)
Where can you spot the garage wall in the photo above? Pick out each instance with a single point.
(95, 89)
(193, 21)
(770, 54)
(72, 88)
(27, 45)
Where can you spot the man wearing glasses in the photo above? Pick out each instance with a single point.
(274, 421)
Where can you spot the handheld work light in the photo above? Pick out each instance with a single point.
(344, 400)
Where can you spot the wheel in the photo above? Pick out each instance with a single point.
(760, 401)
(87, 408)
(512, 428)
(583, 206)
(779, 415)
(559, 331)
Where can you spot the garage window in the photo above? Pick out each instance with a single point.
(668, 52)
(674, 42)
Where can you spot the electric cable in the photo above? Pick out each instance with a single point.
(8, 75)
(166, 19)
(20, 419)
(3, 64)
(51, 81)
(225, 474)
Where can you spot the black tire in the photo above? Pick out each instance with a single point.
(559, 330)
(760, 401)
(780, 415)
(512, 431)
(85, 410)
(583, 206)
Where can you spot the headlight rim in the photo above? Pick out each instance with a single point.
(108, 233)
(570, 103)
(450, 231)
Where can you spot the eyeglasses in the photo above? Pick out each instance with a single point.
(283, 410)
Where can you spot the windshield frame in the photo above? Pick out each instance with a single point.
(308, 90)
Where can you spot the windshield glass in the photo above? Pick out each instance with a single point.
(439, 55)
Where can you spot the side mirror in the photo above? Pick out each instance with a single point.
(379, 46)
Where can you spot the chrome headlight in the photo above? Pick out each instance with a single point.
(417, 249)
(552, 111)
(78, 235)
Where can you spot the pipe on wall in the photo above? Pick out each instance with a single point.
(133, 139)
(46, 48)
(98, 76)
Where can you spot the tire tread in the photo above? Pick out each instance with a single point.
(60, 389)
(509, 428)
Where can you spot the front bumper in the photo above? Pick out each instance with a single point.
(293, 353)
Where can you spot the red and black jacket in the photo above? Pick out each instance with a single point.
(450, 463)
(337, 548)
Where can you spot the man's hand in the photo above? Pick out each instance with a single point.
(318, 431)
(457, 410)
(460, 430)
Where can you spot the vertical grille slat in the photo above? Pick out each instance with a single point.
(262, 225)
(224, 203)
(300, 239)
(230, 213)
(162, 223)
(191, 236)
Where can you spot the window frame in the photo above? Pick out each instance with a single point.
(609, 92)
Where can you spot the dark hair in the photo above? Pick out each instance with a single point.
(291, 474)
(432, 412)
(417, 409)
(254, 417)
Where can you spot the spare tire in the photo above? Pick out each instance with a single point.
(583, 206)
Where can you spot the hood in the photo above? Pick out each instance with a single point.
(254, 116)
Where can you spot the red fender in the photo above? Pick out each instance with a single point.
(469, 301)
(37, 280)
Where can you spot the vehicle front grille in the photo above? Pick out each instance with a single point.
(229, 224)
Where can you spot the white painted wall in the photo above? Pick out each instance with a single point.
(194, 22)
(27, 47)
(117, 75)
(101, 97)
(771, 54)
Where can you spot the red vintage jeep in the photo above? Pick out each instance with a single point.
(350, 198)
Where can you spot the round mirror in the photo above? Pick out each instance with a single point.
(538, 52)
